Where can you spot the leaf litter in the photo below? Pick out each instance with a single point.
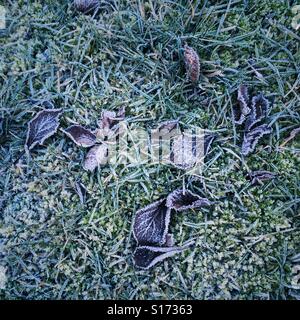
(81, 136)
(107, 127)
(151, 225)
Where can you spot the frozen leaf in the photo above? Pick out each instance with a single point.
(252, 137)
(109, 119)
(151, 223)
(242, 109)
(81, 136)
(86, 6)
(187, 151)
(181, 200)
(259, 109)
(168, 126)
(146, 257)
(41, 127)
(109, 125)
(260, 176)
(292, 135)
(192, 64)
(97, 155)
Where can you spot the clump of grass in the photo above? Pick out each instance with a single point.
(52, 245)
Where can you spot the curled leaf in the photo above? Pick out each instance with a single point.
(110, 126)
(260, 176)
(151, 223)
(81, 136)
(41, 127)
(242, 109)
(259, 109)
(86, 6)
(252, 137)
(109, 119)
(97, 155)
(146, 257)
(181, 200)
(192, 64)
